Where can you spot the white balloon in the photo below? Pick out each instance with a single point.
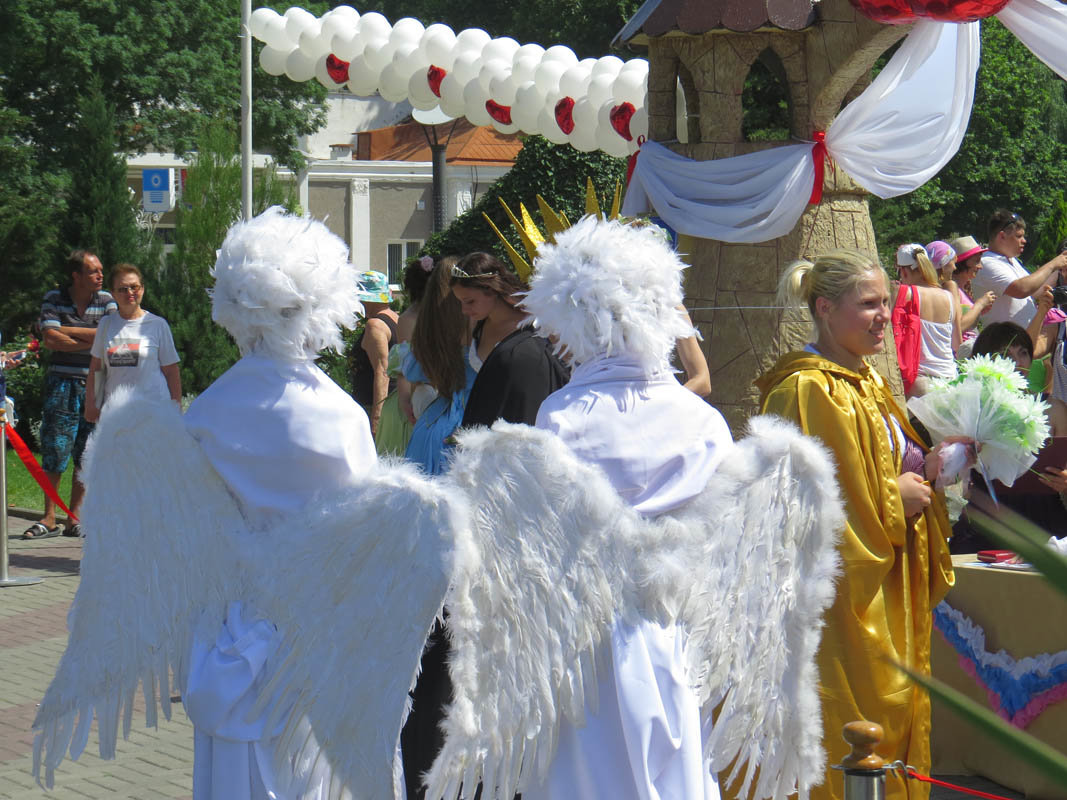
(502, 89)
(314, 43)
(526, 110)
(342, 19)
(471, 40)
(512, 128)
(392, 85)
(504, 48)
(639, 125)
(409, 53)
(452, 102)
(378, 54)
(438, 43)
(474, 97)
(493, 68)
(548, 74)
(584, 115)
(259, 20)
(630, 87)
(347, 44)
(362, 80)
(297, 20)
(420, 94)
(299, 66)
(523, 69)
(273, 61)
(531, 50)
(574, 81)
(583, 139)
(560, 53)
(406, 30)
(323, 76)
(607, 65)
(599, 91)
(611, 143)
(276, 34)
(546, 122)
(636, 65)
(466, 67)
(374, 28)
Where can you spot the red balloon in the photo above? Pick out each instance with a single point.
(434, 76)
(900, 12)
(501, 114)
(337, 69)
(620, 120)
(564, 114)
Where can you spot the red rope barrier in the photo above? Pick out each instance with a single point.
(912, 773)
(35, 470)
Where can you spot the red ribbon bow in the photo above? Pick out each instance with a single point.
(819, 156)
(633, 159)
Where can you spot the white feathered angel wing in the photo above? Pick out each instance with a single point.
(354, 604)
(767, 525)
(157, 553)
(747, 568)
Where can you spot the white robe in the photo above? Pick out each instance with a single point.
(659, 444)
(277, 432)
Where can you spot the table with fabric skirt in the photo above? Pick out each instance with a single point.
(1000, 637)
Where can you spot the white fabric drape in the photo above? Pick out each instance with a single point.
(910, 121)
(749, 198)
(891, 139)
(1042, 26)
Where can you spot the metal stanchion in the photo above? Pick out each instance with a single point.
(864, 769)
(5, 579)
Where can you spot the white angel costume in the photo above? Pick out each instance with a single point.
(634, 568)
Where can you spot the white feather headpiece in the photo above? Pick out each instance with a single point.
(283, 286)
(608, 289)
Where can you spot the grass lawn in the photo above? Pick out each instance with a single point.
(22, 489)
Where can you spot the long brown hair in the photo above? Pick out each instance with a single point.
(441, 333)
(486, 272)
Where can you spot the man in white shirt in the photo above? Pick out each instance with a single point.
(1004, 275)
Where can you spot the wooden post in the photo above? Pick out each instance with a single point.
(864, 769)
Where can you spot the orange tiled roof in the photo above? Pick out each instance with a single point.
(470, 145)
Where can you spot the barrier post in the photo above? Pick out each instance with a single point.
(864, 769)
(5, 579)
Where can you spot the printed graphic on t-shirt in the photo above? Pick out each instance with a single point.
(124, 353)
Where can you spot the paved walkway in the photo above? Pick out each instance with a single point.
(152, 763)
(33, 634)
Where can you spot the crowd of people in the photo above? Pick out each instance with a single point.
(466, 352)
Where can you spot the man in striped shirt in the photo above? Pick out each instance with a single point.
(69, 316)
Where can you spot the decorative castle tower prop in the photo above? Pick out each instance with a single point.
(825, 54)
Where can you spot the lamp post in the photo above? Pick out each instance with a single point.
(246, 109)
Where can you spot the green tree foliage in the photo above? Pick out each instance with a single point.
(32, 205)
(1053, 234)
(100, 216)
(211, 203)
(586, 26)
(1013, 156)
(164, 67)
(557, 172)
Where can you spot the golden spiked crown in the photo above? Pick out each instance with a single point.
(531, 235)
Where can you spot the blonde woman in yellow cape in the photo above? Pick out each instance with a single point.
(895, 559)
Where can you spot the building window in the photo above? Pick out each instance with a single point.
(398, 254)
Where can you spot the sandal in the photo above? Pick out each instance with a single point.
(74, 531)
(39, 531)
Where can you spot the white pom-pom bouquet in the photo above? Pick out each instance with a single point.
(987, 402)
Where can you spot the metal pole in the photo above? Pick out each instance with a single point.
(439, 165)
(246, 109)
(5, 579)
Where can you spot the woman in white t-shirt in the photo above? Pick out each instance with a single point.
(132, 348)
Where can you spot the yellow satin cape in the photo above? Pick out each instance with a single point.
(893, 572)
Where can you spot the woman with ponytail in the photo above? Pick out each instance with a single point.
(895, 561)
(934, 321)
